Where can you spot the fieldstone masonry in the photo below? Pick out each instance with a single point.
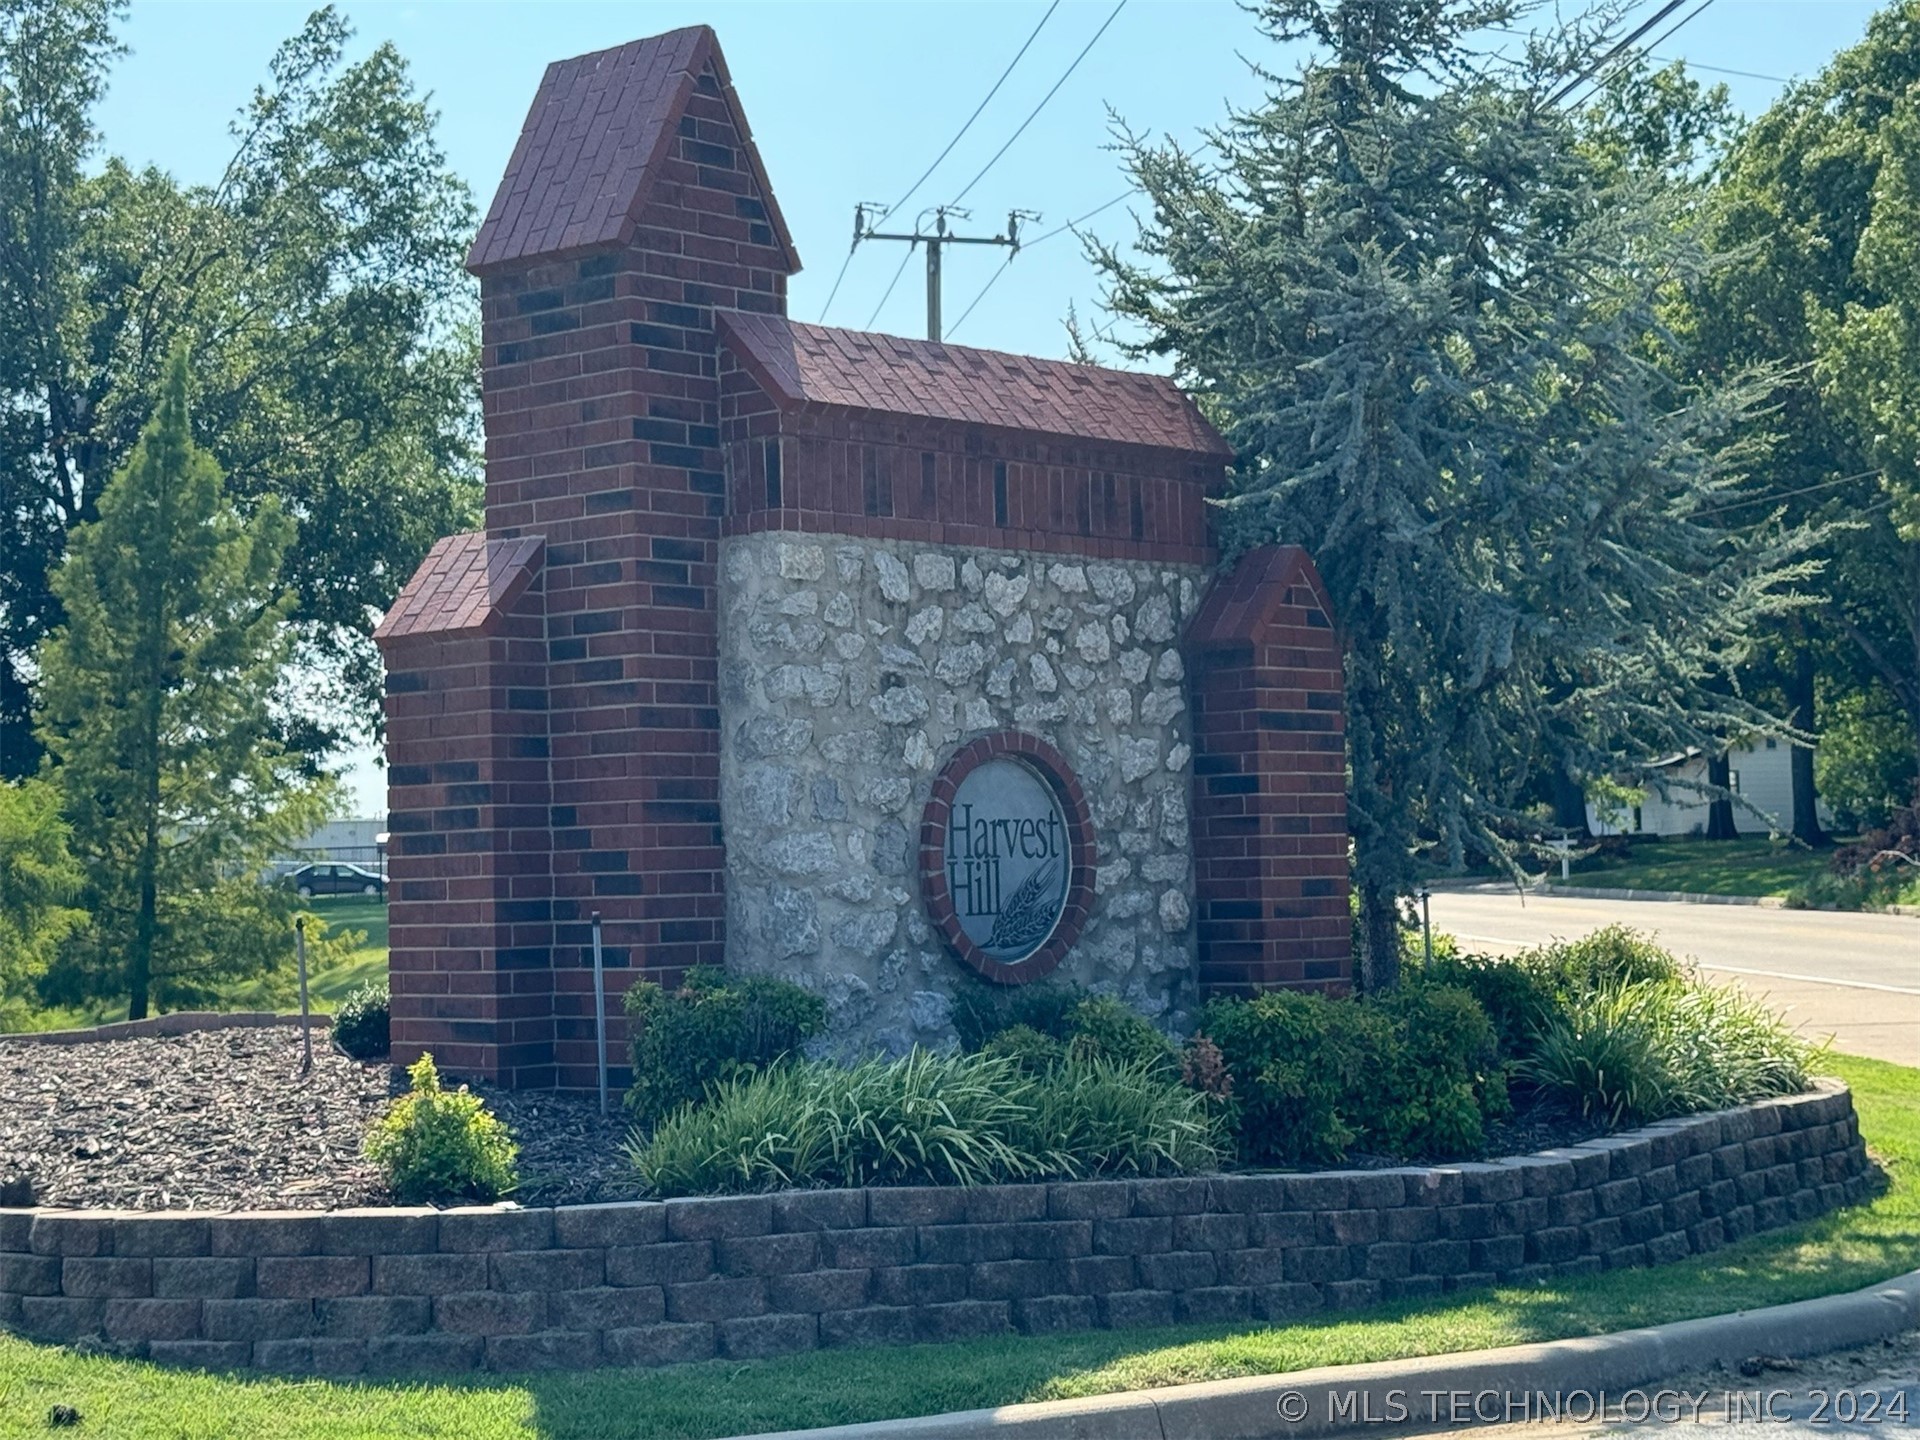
(747, 585)
(851, 669)
(405, 1291)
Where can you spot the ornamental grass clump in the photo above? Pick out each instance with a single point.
(440, 1146)
(1645, 1050)
(926, 1119)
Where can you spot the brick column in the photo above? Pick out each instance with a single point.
(1269, 780)
(601, 390)
(468, 872)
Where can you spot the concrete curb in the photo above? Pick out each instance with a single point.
(1335, 1399)
(1552, 889)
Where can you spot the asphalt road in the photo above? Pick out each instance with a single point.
(1853, 977)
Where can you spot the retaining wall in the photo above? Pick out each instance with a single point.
(404, 1291)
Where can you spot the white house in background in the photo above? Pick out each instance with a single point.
(1762, 777)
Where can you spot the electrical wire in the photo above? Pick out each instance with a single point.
(1600, 80)
(994, 278)
(1608, 58)
(908, 255)
(1031, 37)
(1042, 105)
(836, 282)
(973, 117)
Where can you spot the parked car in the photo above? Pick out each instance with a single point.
(335, 879)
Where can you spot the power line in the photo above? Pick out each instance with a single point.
(836, 281)
(994, 278)
(1608, 58)
(1687, 19)
(1042, 105)
(971, 118)
(1668, 59)
(908, 255)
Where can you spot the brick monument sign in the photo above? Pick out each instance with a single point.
(889, 666)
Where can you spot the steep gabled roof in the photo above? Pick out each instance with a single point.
(800, 364)
(591, 146)
(463, 587)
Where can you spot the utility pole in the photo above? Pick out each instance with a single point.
(937, 240)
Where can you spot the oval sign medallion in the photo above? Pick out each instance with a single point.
(1007, 856)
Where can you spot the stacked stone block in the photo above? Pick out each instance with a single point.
(407, 1291)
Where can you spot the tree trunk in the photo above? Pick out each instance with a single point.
(1720, 824)
(1806, 810)
(1380, 927)
(1570, 806)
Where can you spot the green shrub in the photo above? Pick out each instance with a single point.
(437, 1146)
(1518, 998)
(1093, 1027)
(1642, 1051)
(1103, 1028)
(715, 1027)
(362, 1025)
(1295, 1059)
(982, 1010)
(1437, 1077)
(1414, 1073)
(925, 1119)
(1034, 1053)
(1611, 956)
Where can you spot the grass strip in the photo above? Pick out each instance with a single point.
(135, 1401)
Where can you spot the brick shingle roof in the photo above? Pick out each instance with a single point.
(593, 138)
(802, 364)
(463, 587)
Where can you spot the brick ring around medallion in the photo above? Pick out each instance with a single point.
(1007, 857)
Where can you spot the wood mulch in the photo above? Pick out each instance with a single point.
(224, 1120)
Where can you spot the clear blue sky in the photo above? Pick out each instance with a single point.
(851, 102)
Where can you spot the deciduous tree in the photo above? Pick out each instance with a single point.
(318, 283)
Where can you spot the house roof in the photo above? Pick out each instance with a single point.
(800, 364)
(463, 587)
(598, 128)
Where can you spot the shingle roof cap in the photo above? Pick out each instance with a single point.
(800, 364)
(593, 140)
(464, 587)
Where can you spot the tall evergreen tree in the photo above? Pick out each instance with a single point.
(38, 879)
(157, 715)
(1429, 319)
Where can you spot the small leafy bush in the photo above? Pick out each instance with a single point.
(362, 1026)
(1518, 998)
(926, 1119)
(1101, 1027)
(1092, 1027)
(1414, 1073)
(1294, 1059)
(1437, 1078)
(438, 1146)
(715, 1027)
(1034, 1053)
(1645, 1050)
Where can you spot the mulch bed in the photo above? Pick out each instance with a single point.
(224, 1120)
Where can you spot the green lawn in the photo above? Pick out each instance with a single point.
(1836, 1253)
(328, 985)
(1703, 867)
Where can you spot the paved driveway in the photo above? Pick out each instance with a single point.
(1854, 977)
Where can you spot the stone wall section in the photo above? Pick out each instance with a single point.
(853, 669)
(410, 1291)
